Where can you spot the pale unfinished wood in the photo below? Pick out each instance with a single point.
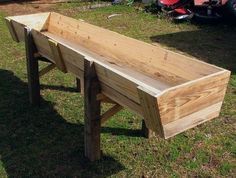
(111, 112)
(192, 120)
(121, 99)
(150, 110)
(57, 56)
(164, 87)
(118, 47)
(39, 22)
(188, 98)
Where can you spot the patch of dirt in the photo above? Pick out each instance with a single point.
(24, 7)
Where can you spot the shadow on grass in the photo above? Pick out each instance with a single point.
(38, 142)
(213, 44)
(58, 88)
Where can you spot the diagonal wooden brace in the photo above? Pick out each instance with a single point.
(111, 112)
(46, 69)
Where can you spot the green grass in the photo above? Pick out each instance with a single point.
(48, 141)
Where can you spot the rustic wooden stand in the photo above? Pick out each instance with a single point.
(88, 86)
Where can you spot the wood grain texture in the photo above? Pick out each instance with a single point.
(150, 110)
(191, 97)
(192, 120)
(154, 61)
(57, 55)
(33, 21)
(165, 87)
(121, 99)
(92, 119)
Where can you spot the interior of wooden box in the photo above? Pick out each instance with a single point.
(154, 62)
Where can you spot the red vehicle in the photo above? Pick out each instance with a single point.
(203, 9)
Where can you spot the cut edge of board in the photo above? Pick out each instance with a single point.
(195, 81)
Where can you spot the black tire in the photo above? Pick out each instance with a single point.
(202, 17)
(230, 10)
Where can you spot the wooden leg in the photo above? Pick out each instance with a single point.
(32, 69)
(78, 85)
(147, 132)
(92, 113)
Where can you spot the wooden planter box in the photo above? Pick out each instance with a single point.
(171, 91)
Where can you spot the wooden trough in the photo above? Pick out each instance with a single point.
(171, 91)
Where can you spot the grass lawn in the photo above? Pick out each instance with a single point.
(48, 141)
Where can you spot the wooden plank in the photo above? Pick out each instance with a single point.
(191, 97)
(121, 99)
(92, 113)
(32, 69)
(150, 60)
(42, 44)
(33, 21)
(73, 56)
(46, 69)
(11, 29)
(150, 110)
(121, 78)
(75, 70)
(192, 120)
(57, 56)
(170, 86)
(111, 112)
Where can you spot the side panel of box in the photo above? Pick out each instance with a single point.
(188, 105)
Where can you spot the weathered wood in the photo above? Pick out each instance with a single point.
(111, 112)
(32, 69)
(92, 112)
(46, 69)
